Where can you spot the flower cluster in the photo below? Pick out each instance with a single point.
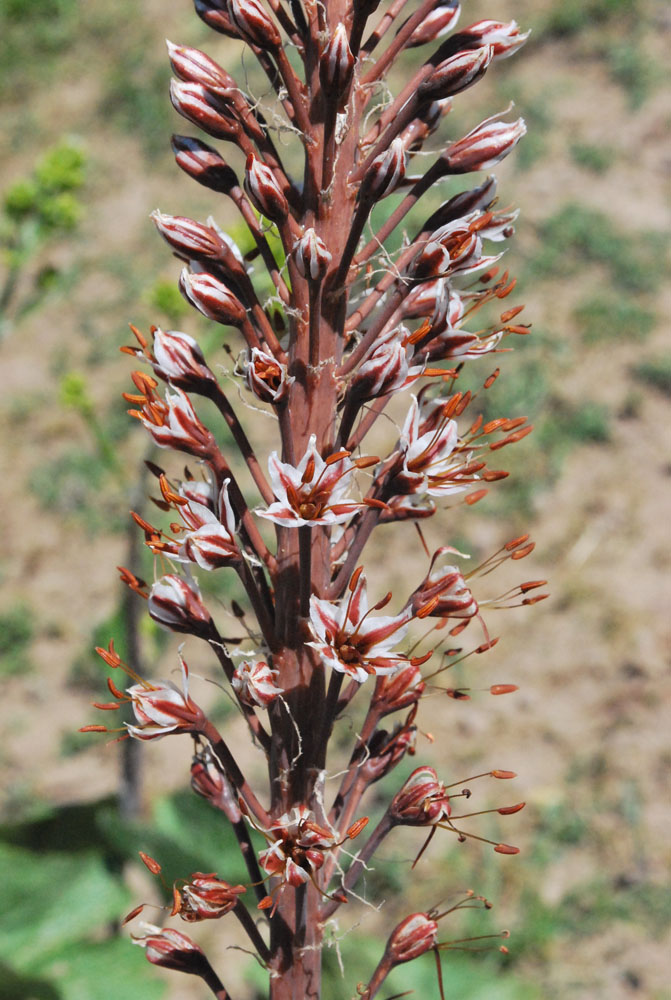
(337, 307)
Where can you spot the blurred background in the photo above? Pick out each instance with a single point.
(85, 157)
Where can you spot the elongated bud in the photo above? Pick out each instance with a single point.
(212, 298)
(215, 16)
(203, 163)
(188, 238)
(456, 74)
(486, 145)
(210, 112)
(254, 24)
(176, 605)
(411, 938)
(264, 191)
(179, 359)
(173, 950)
(336, 64)
(193, 66)
(311, 256)
(385, 172)
(437, 23)
(504, 38)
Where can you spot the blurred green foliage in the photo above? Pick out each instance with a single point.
(656, 372)
(36, 210)
(597, 159)
(17, 629)
(613, 318)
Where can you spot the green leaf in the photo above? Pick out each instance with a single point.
(98, 971)
(53, 900)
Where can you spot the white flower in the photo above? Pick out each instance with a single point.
(313, 492)
(350, 641)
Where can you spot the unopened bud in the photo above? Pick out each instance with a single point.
(254, 24)
(336, 63)
(311, 256)
(193, 66)
(203, 163)
(385, 172)
(486, 145)
(173, 950)
(215, 16)
(188, 238)
(264, 191)
(203, 108)
(455, 74)
(212, 298)
(437, 23)
(179, 360)
(504, 38)
(175, 604)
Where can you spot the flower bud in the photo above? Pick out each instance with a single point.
(203, 163)
(264, 191)
(385, 368)
(254, 24)
(179, 359)
(385, 172)
(207, 897)
(504, 38)
(412, 937)
(336, 63)
(175, 604)
(437, 23)
(311, 256)
(188, 238)
(455, 74)
(422, 800)
(173, 950)
(209, 111)
(214, 15)
(193, 66)
(212, 298)
(266, 377)
(486, 145)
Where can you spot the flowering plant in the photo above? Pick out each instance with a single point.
(349, 326)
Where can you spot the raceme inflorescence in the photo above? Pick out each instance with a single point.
(348, 324)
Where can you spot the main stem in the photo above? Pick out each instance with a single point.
(300, 726)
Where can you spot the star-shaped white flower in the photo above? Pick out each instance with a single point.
(312, 492)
